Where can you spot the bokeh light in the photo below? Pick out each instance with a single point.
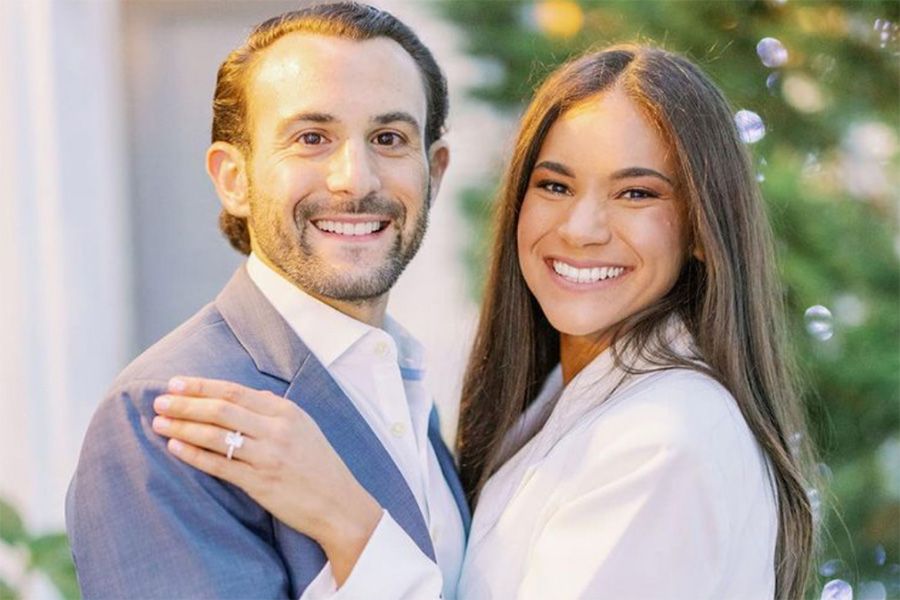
(750, 126)
(803, 93)
(559, 18)
(887, 31)
(850, 310)
(880, 555)
(773, 81)
(832, 567)
(819, 322)
(771, 52)
(837, 589)
(871, 590)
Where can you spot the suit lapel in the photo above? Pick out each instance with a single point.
(448, 468)
(277, 351)
(265, 335)
(316, 392)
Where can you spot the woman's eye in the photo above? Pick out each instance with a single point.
(554, 187)
(638, 194)
(311, 138)
(388, 138)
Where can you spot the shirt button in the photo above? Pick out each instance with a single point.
(398, 429)
(435, 534)
(381, 348)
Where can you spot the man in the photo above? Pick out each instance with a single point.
(326, 155)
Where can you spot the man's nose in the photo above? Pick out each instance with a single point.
(351, 171)
(586, 221)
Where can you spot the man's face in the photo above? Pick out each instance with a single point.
(338, 176)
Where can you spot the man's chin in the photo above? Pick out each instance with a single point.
(352, 284)
(353, 293)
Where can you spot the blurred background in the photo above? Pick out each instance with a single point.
(108, 233)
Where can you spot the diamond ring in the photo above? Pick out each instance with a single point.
(234, 440)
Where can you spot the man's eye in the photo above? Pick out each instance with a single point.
(311, 138)
(388, 138)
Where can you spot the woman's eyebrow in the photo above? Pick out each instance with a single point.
(555, 167)
(640, 172)
(620, 174)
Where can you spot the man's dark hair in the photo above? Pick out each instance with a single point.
(348, 20)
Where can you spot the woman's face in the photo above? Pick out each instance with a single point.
(601, 232)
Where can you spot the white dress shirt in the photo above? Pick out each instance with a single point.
(652, 489)
(381, 372)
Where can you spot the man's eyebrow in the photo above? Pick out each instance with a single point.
(555, 167)
(640, 172)
(311, 117)
(393, 117)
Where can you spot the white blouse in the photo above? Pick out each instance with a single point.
(656, 489)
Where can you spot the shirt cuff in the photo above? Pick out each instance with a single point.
(391, 564)
(322, 587)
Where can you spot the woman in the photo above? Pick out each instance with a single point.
(627, 406)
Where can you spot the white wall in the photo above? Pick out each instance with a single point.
(64, 253)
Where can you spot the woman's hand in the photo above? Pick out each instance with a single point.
(284, 463)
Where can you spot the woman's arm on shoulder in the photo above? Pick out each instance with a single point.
(287, 465)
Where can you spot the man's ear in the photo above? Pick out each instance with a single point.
(438, 158)
(227, 169)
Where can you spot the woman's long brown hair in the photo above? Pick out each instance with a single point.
(731, 302)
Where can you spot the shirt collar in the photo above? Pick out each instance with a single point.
(326, 331)
(409, 349)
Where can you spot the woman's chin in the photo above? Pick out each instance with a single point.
(568, 326)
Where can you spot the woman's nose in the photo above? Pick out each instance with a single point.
(586, 221)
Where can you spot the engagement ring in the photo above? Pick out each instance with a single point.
(234, 440)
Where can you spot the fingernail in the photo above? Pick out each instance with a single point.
(161, 423)
(175, 445)
(177, 385)
(161, 403)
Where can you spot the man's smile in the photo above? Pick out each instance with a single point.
(355, 228)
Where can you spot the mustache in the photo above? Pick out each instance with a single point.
(370, 204)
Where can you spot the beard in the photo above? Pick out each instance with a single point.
(287, 245)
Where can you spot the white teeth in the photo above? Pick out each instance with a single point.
(348, 228)
(591, 275)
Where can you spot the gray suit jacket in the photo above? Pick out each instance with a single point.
(144, 525)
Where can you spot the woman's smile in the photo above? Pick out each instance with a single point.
(580, 275)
